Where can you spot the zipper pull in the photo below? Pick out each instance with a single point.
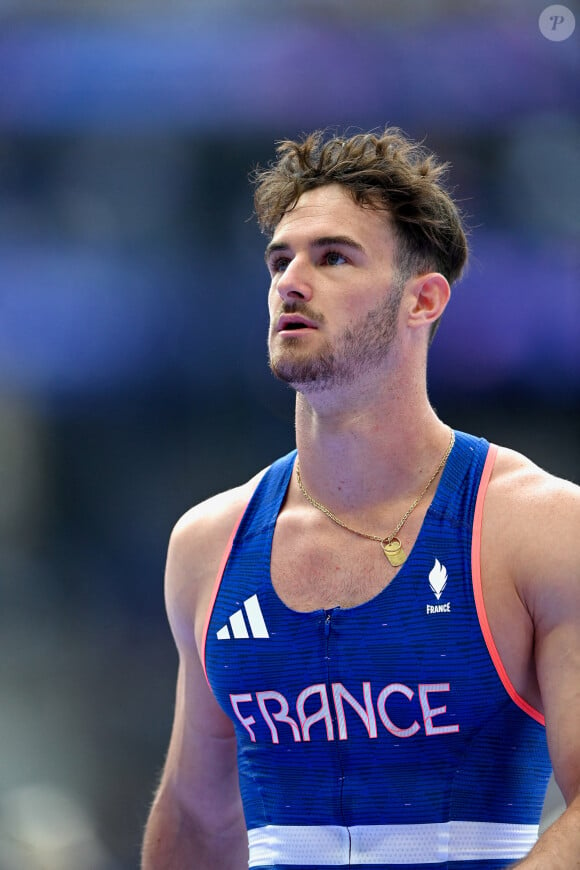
(327, 619)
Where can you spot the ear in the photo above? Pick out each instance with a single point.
(430, 294)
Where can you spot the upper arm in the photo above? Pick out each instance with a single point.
(551, 588)
(201, 765)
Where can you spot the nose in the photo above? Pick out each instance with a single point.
(294, 282)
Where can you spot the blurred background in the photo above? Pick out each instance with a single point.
(133, 374)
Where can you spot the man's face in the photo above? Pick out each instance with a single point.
(335, 295)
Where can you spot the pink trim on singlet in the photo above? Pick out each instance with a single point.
(216, 587)
(478, 591)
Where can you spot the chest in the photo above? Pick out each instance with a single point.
(318, 565)
(355, 629)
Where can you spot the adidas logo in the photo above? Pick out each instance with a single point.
(238, 627)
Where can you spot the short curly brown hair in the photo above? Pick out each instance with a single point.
(385, 171)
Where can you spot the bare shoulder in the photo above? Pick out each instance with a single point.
(518, 483)
(534, 517)
(197, 545)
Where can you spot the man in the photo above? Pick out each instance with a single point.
(395, 623)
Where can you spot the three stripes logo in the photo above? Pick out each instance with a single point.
(250, 625)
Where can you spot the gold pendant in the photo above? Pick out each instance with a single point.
(394, 552)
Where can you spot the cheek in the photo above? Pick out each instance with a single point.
(273, 298)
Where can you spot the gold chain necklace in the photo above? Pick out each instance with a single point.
(392, 547)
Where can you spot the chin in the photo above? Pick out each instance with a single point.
(295, 366)
(303, 378)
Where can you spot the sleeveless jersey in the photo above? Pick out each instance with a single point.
(385, 735)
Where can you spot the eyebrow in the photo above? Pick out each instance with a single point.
(322, 242)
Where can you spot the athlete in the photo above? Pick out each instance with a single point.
(379, 634)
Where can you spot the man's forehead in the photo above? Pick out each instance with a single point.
(331, 210)
(321, 200)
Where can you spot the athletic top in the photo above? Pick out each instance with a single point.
(385, 735)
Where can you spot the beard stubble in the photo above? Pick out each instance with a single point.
(360, 347)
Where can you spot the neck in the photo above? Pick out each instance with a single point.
(357, 454)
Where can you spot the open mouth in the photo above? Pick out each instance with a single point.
(294, 323)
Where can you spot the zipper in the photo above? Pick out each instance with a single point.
(328, 614)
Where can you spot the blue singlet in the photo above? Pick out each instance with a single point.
(387, 735)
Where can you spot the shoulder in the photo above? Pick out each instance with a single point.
(209, 523)
(527, 492)
(196, 548)
(532, 518)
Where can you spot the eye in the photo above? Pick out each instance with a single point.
(278, 264)
(334, 258)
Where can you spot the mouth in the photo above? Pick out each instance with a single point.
(294, 323)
